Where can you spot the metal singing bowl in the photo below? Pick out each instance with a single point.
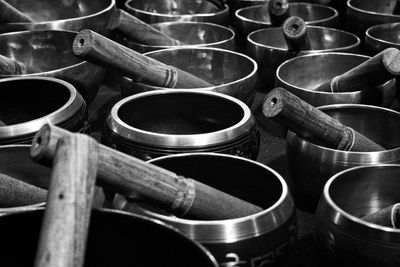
(249, 19)
(362, 14)
(27, 103)
(380, 37)
(231, 73)
(73, 15)
(198, 34)
(243, 241)
(300, 75)
(310, 165)
(268, 47)
(48, 53)
(342, 238)
(16, 162)
(155, 11)
(162, 122)
(115, 238)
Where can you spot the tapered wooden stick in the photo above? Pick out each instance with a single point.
(129, 176)
(373, 72)
(312, 124)
(8, 13)
(295, 33)
(104, 52)
(10, 66)
(389, 216)
(136, 30)
(65, 224)
(278, 11)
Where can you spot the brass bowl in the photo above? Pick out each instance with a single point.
(48, 53)
(382, 36)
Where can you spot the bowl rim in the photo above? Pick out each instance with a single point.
(197, 15)
(370, 30)
(313, 27)
(118, 126)
(350, 7)
(73, 104)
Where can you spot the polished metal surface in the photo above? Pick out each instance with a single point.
(246, 179)
(249, 19)
(302, 74)
(48, 53)
(268, 47)
(342, 237)
(73, 15)
(199, 34)
(115, 238)
(27, 103)
(362, 14)
(310, 165)
(232, 73)
(154, 11)
(380, 37)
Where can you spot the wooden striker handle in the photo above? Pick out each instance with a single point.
(295, 33)
(278, 11)
(9, 66)
(9, 14)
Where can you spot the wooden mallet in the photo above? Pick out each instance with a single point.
(278, 11)
(389, 216)
(9, 66)
(295, 33)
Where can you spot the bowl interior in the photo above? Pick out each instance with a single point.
(28, 99)
(48, 10)
(388, 33)
(382, 6)
(180, 114)
(215, 66)
(320, 38)
(364, 191)
(310, 71)
(171, 7)
(40, 51)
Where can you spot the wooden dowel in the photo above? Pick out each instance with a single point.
(65, 224)
(278, 11)
(373, 72)
(10, 66)
(10, 14)
(389, 216)
(312, 124)
(136, 30)
(129, 176)
(97, 49)
(295, 33)
(15, 193)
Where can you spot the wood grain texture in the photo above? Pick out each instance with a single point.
(65, 224)
(9, 66)
(134, 29)
(371, 73)
(295, 33)
(130, 176)
(10, 14)
(389, 216)
(99, 50)
(278, 11)
(312, 124)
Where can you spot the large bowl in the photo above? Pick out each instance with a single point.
(62, 15)
(198, 34)
(300, 75)
(249, 19)
(310, 165)
(27, 103)
(268, 47)
(162, 122)
(362, 14)
(231, 73)
(48, 53)
(380, 37)
(261, 239)
(342, 238)
(115, 239)
(155, 11)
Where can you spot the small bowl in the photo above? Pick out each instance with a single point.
(342, 238)
(300, 75)
(249, 19)
(162, 122)
(242, 240)
(232, 73)
(198, 34)
(380, 37)
(310, 165)
(62, 15)
(27, 103)
(48, 53)
(268, 47)
(155, 11)
(115, 238)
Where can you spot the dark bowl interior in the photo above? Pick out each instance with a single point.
(388, 33)
(381, 6)
(170, 7)
(180, 113)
